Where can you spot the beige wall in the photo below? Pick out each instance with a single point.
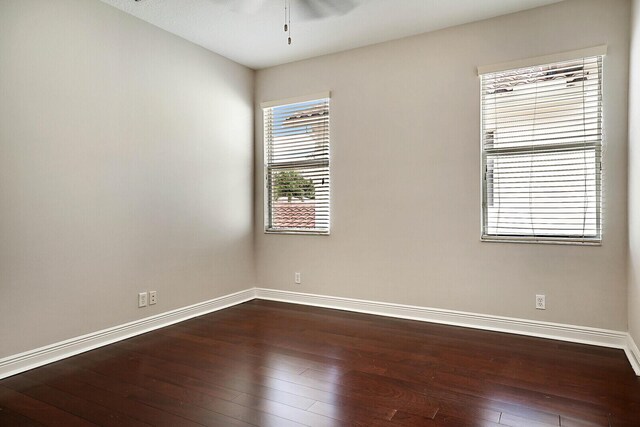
(405, 170)
(126, 165)
(634, 176)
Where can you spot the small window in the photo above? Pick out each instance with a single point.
(296, 136)
(541, 152)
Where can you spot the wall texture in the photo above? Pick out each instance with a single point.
(127, 158)
(634, 176)
(406, 175)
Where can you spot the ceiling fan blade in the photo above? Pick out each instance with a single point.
(310, 9)
(340, 7)
(305, 9)
(316, 9)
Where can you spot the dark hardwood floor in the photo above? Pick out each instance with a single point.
(273, 364)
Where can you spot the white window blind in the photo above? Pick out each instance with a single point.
(296, 139)
(541, 152)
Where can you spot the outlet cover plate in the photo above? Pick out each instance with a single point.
(142, 299)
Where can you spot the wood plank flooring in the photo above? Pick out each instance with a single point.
(273, 364)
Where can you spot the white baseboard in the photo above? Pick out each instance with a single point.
(557, 331)
(41, 356)
(581, 334)
(633, 354)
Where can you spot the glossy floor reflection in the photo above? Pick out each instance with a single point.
(274, 364)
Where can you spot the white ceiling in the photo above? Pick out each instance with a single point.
(251, 31)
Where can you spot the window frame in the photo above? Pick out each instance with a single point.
(485, 191)
(267, 220)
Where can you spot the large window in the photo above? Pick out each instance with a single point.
(541, 152)
(296, 136)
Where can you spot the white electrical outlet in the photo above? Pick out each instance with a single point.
(142, 299)
(541, 303)
(153, 297)
(297, 278)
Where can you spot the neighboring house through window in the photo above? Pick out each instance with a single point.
(296, 167)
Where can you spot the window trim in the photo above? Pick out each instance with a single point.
(296, 100)
(545, 59)
(265, 217)
(530, 62)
